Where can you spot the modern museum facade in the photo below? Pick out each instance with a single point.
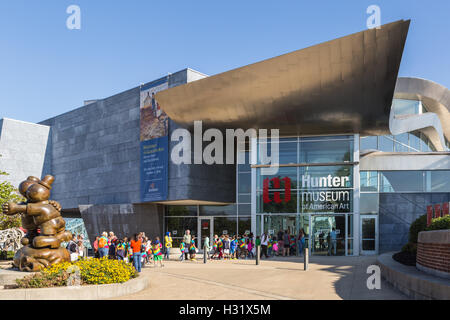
(361, 150)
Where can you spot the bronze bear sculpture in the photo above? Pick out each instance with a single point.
(45, 226)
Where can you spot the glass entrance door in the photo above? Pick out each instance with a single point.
(273, 224)
(328, 235)
(205, 229)
(276, 223)
(369, 235)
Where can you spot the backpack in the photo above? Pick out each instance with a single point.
(102, 243)
(72, 247)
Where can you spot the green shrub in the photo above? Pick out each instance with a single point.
(7, 255)
(420, 224)
(43, 280)
(441, 223)
(410, 248)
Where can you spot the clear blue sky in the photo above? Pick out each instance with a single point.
(46, 69)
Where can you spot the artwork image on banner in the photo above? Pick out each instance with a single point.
(154, 143)
(154, 121)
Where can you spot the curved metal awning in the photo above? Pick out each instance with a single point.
(436, 99)
(340, 86)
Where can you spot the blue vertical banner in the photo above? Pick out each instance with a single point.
(154, 153)
(154, 163)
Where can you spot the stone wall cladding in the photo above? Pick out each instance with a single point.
(396, 213)
(123, 219)
(22, 149)
(94, 154)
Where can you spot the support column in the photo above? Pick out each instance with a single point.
(356, 196)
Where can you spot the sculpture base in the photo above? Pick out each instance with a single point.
(30, 259)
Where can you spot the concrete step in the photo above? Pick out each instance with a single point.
(6, 264)
(9, 276)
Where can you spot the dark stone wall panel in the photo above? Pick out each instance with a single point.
(398, 211)
(123, 219)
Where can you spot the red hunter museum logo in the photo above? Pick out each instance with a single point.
(276, 185)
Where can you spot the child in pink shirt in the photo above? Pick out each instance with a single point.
(275, 248)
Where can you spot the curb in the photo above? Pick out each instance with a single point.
(412, 282)
(94, 292)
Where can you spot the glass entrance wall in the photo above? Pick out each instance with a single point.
(232, 219)
(312, 190)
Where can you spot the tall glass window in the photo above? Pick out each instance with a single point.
(316, 184)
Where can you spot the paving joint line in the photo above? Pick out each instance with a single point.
(228, 286)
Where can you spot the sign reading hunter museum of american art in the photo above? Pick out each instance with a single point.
(317, 193)
(325, 200)
(154, 144)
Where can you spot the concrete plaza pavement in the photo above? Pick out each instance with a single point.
(328, 278)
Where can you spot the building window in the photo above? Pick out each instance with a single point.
(181, 211)
(225, 225)
(178, 225)
(406, 107)
(402, 181)
(282, 174)
(244, 225)
(287, 149)
(284, 206)
(229, 210)
(369, 203)
(327, 151)
(386, 143)
(440, 181)
(369, 181)
(415, 141)
(369, 143)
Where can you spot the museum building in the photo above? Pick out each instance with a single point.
(360, 150)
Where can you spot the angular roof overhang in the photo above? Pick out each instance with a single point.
(340, 86)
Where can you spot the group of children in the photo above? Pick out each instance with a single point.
(224, 247)
(188, 249)
(150, 250)
(232, 248)
(275, 247)
(238, 247)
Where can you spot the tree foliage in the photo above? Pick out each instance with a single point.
(8, 193)
(420, 224)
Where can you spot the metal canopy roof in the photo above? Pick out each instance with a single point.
(341, 86)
